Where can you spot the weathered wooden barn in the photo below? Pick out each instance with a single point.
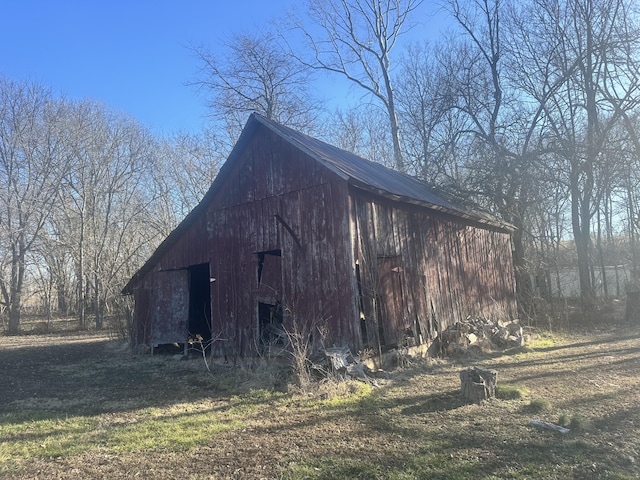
(297, 235)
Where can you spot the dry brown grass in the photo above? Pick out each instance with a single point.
(82, 406)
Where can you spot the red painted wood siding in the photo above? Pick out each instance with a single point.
(445, 270)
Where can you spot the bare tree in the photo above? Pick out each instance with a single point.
(499, 127)
(256, 74)
(186, 165)
(80, 200)
(105, 202)
(585, 77)
(30, 174)
(355, 39)
(428, 123)
(362, 130)
(631, 190)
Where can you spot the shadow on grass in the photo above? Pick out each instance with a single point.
(437, 402)
(479, 452)
(96, 377)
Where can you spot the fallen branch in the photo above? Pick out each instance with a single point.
(549, 426)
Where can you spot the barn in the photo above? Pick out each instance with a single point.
(298, 236)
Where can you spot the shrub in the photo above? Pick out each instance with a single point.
(539, 405)
(511, 392)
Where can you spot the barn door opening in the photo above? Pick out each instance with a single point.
(269, 311)
(270, 325)
(200, 301)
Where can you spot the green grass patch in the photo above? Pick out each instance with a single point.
(167, 432)
(45, 437)
(511, 392)
(577, 423)
(175, 429)
(539, 405)
(542, 341)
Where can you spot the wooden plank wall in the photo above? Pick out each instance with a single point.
(142, 315)
(288, 203)
(449, 270)
(275, 197)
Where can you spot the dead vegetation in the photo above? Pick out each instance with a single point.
(83, 406)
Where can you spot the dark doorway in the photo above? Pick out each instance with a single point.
(200, 301)
(270, 324)
(270, 320)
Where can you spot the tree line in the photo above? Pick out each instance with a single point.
(528, 108)
(86, 194)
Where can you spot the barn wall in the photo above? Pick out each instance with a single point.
(421, 272)
(151, 294)
(142, 315)
(279, 199)
(334, 257)
(275, 198)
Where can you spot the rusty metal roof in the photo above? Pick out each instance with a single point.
(359, 172)
(377, 178)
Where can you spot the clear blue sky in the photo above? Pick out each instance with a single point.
(133, 55)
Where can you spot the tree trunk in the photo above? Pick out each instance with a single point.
(81, 279)
(603, 270)
(15, 287)
(14, 311)
(14, 319)
(635, 264)
(524, 292)
(478, 384)
(580, 221)
(98, 304)
(586, 171)
(586, 289)
(395, 129)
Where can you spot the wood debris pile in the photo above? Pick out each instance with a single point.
(340, 361)
(478, 334)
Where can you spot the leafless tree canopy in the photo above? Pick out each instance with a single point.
(254, 74)
(355, 40)
(529, 108)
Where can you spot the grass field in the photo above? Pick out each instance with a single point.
(82, 406)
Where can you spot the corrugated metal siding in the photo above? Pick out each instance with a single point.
(376, 178)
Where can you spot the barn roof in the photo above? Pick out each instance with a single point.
(377, 178)
(357, 171)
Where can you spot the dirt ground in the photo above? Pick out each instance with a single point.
(411, 424)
